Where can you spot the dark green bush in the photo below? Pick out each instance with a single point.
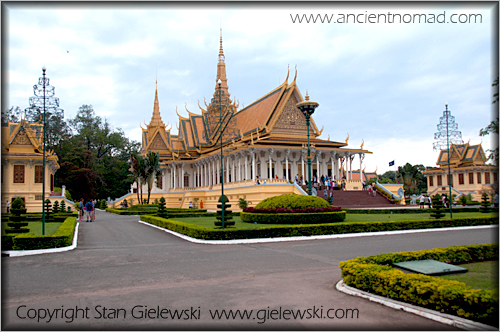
(485, 203)
(308, 230)
(292, 201)
(373, 274)
(437, 207)
(63, 237)
(293, 218)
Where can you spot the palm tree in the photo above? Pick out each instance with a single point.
(410, 176)
(152, 169)
(138, 165)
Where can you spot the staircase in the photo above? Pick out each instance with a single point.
(355, 199)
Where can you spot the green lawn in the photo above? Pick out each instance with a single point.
(209, 221)
(483, 275)
(411, 216)
(36, 227)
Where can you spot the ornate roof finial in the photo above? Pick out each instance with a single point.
(156, 118)
(307, 95)
(221, 52)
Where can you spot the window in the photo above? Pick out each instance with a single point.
(431, 181)
(450, 180)
(495, 177)
(461, 178)
(471, 178)
(159, 182)
(479, 178)
(18, 173)
(487, 178)
(38, 174)
(439, 180)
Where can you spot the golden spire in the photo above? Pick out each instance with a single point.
(156, 118)
(221, 70)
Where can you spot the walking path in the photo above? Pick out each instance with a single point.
(121, 266)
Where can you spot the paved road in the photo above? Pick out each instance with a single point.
(121, 264)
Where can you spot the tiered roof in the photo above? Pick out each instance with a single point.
(271, 119)
(462, 155)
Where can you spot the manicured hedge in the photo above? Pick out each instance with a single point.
(406, 210)
(292, 201)
(63, 237)
(172, 213)
(206, 233)
(293, 218)
(374, 274)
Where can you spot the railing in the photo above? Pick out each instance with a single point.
(388, 193)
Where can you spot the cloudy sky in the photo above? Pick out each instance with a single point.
(385, 82)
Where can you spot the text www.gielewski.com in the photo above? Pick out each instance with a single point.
(263, 315)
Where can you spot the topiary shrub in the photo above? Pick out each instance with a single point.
(15, 224)
(55, 208)
(63, 207)
(162, 210)
(292, 201)
(485, 203)
(437, 204)
(48, 210)
(103, 205)
(227, 213)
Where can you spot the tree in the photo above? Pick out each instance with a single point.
(95, 160)
(437, 204)
(13, 114)
(492, 128)
(138, 167)
(152, 170)
(412, 178)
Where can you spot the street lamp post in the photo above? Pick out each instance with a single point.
(219, 82)
(450, 200)
(307, 108)
(43, 157)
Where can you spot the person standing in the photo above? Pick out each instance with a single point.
(374, 191)
(89, 209)
(80, 210)
(8, 206)
(369, 190)
(423, 200)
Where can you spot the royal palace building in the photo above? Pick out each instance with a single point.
(266, 140)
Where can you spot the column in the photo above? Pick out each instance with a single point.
(318, 173)
(287, 152)
(271, 163)
(252, 151)
(174, 167)
(303, 171)
(182, 175)
(361, 157)
(334, 154)
(227, 169)
(239, 167)
(351, 159)
(246, 166)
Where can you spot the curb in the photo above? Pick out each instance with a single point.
(315, 237)
(17, 253)
(437, 316)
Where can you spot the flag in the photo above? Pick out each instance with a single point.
(391, 163)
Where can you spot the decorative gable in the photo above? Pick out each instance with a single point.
(158, 144)
(21, 138)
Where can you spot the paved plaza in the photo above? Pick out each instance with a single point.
(128, 276)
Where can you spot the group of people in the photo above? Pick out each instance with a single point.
(372, 190)
(325, 182)
(86, 209)
(425, 200)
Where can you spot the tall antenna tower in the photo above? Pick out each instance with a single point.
(448, 132)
